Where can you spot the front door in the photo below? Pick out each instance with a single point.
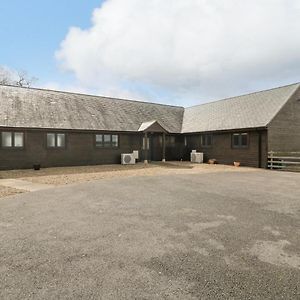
(154, 152)
(155, 146)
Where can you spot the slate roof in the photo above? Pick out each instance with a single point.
(36, 108)
(249, 111)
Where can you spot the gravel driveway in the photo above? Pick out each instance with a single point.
(185, 236)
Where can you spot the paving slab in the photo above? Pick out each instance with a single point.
(24, 185)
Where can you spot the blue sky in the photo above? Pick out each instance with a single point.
(31, 31)
(171, 51)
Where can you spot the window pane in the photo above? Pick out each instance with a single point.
(236, 140)
(244, 138)
(61, 140)
(115, 140)
(19, 139)
(99, 140)
(50, 140)
(107, 141)
(6, 139)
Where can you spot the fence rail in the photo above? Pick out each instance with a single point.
(284, 160)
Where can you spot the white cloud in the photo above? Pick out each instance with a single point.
(186, 49)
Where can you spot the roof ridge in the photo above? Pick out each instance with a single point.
(242, 95)
(88, 95)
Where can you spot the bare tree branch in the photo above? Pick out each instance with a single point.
(17, 78)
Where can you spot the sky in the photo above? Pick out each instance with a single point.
(180, 52)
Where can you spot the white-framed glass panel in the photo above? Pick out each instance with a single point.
(107, 140)
(6, 138)
(50, 140)
(115, 140)
(19, 139)
(99, 140)
(61, 140)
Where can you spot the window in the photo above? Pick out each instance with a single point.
(60, 140)
(6, 139)
(12, 139)
(240, 140)
(206, 140)
(99, 140)
(56, 140)
(107, 140)
(114, 140)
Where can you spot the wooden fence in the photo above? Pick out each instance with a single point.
(284, 160)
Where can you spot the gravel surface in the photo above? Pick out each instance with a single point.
(68, 175)
(8, 191)
(71, 170)
(221, 235)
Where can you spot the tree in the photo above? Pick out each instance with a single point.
(24, 79)
(5, 76)
(17, 78)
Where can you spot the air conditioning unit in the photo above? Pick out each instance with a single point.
(197, 157)
(127, 159)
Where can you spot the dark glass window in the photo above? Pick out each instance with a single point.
(107, 140)
(12, 139)
(206, 140)
(240, 140)
(114, 140)
(99, 140)
(56, 140)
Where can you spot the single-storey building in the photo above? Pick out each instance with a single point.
(54, 128)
